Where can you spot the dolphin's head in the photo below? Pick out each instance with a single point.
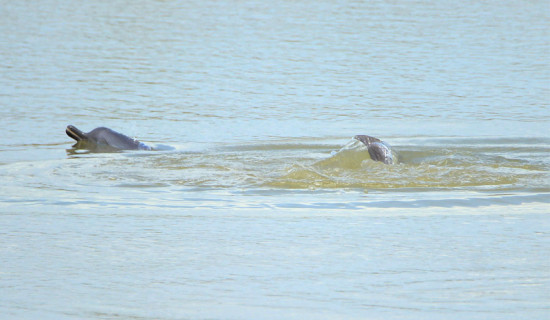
(75, 133)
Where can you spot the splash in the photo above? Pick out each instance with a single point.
(433, 167)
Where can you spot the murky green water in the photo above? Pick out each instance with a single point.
(258, 203)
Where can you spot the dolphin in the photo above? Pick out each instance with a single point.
(378, 149)
(105, 137)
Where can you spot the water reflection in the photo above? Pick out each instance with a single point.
(85, 147)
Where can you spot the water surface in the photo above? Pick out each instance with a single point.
(259, 204)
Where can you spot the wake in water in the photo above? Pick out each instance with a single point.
(427, 164)
(451, 165)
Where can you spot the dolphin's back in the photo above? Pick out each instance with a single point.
(380, 152)
(114, 139)
(378, 149)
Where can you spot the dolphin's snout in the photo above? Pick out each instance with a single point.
(75, 133)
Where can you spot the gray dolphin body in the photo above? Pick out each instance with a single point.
(378, 149)
(105, 137)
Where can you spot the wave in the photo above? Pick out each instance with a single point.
(296, 173)
(439, 164)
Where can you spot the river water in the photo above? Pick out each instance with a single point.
(258, 203)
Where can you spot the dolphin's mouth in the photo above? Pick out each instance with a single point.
(76, 134)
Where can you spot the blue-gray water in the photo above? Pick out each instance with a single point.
(259, 204)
